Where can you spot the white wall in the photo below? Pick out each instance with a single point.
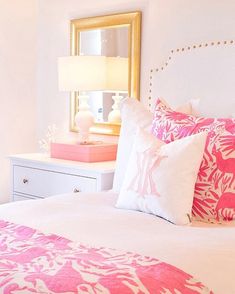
(17, 83)
(166, 24)
(30, 27)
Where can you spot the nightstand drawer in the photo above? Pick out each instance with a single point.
(44, 183)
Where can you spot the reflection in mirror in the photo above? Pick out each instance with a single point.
(111, 42)
(111, 36)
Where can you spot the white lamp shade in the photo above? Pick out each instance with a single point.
(82, 73)
(93, 73)
(117, 74)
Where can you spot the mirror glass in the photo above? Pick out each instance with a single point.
(110, 42)
(115, 35)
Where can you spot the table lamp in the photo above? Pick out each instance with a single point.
(83, 73)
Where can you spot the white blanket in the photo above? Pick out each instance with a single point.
(205, 251)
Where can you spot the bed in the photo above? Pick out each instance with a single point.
(205, 251)
(83, 244)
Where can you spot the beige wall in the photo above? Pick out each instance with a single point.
(167, 24)
(17, 83)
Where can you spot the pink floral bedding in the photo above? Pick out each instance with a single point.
(32, 262)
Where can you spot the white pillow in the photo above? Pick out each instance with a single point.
(134, 115)
(160, 178)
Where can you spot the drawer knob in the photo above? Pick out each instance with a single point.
(76, 190)
(25, 181)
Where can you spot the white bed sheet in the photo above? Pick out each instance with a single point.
(205, 251)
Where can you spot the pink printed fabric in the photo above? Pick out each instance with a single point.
(214, 198)
(32, 262)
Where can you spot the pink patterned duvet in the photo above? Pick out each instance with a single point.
(32, 262)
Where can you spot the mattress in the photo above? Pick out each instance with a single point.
(206, 251)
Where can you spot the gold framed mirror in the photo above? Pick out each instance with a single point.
(116, 35)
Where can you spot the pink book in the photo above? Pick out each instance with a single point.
(85, 153)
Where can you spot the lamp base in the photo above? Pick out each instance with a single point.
(84, 119)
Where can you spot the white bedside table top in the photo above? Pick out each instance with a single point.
(104, 166)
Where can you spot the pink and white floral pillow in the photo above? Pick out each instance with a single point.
(160, 178)
(214, 198)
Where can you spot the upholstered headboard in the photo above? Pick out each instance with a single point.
(204, 71)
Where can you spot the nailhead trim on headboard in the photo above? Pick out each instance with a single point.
(180, 50)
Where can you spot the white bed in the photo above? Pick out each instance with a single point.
(205, 251)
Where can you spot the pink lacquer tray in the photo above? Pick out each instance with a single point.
(85, 153)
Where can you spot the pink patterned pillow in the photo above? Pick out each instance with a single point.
(214, 197)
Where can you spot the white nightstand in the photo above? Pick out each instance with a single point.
(39, 176)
